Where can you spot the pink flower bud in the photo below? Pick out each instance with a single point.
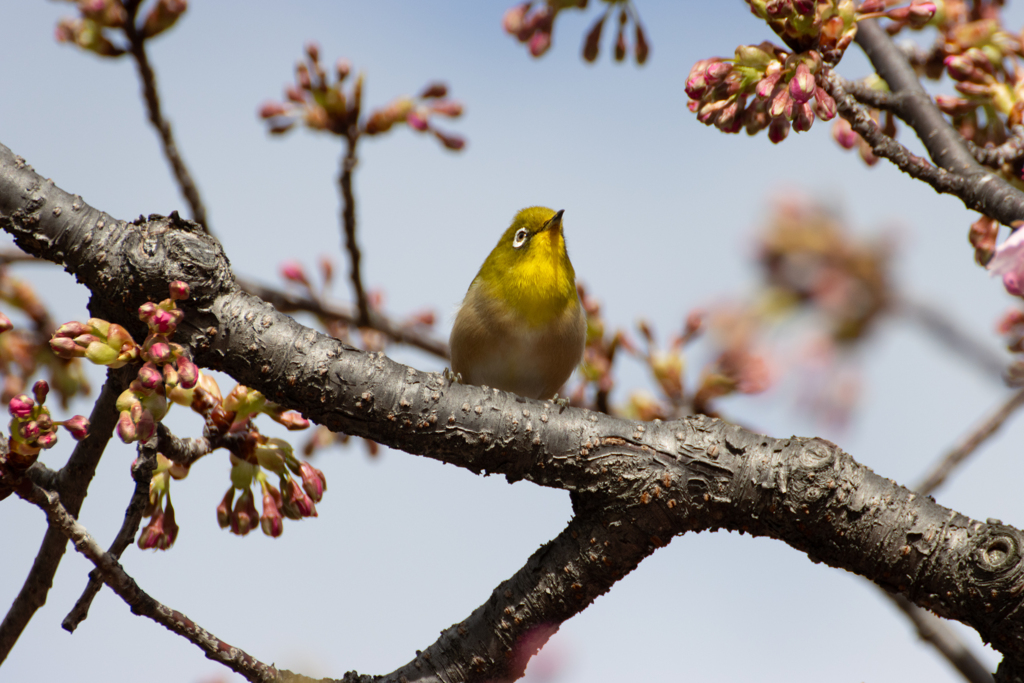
(804, 118)
(170, 376)
(844, 134)
(294, 272)
(245, 517)
(125, 427)
(778, 129)
(149, 376)
(78, 426)
(313, 481)
(824, 105)
(434, 91)
(145, 427)
(21, 406)
(46, 440)
(342, 68)
(449, 108)
(40, 389)
(224, 508)
(179, 290)
(539, 43)
(512, 22)
(29, 430)
(160, 352)
(188, 373)
(271, 521)
(147, 310)
(452, 142)
(416, 121)
(802, 85)
(269, 110)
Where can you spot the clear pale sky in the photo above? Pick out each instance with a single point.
(660, 212)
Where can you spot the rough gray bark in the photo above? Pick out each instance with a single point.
(634, 485)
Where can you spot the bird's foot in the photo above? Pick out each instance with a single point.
(452, 377)
(563, 402)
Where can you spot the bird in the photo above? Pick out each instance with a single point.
(521, 327)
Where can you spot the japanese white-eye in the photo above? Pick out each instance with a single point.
(521, 327)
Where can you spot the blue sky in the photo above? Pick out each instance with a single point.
(660, 214)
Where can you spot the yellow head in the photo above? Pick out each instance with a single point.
(529, 269)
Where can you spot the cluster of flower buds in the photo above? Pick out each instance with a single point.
(417, 114)
(825, 26)
(811, 263)
(317, 99)
(641, 48)
(96, 340)
(781, 85)
(33, 429)
(532, 23)
(97, 18)
(741, 366)
(162, 530)
(245, 403)
(321, 103)
(301, 487)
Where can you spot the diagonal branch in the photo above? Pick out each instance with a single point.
(142, 472)
(137, 47)
(978, 188)
(140, 602)
(970, 443)
(72, 482)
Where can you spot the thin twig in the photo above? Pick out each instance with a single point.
(1010, 151)
(120, 582)
(934, 631)
(289, 303)
(977, 187)
(884, 146)
(137, 47)
(72, 483)
(872, 97)
(941, 328)
(348, 216)
(970, 443)
(142, 472)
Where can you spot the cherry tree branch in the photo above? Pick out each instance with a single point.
(641, 483)
(142, 603)
(137, 48)
(971, 442)
(937, 324)
(71, 483)
(142, 473)
(964, 177)
(348, 216)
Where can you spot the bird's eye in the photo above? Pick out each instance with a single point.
(520, 239)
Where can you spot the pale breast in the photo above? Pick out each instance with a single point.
(492, 347)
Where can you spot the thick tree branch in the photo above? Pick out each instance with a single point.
(141, 602)
(631, 480)
(978, 188)
(71, 483)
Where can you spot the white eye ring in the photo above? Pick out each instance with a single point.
(520, 238)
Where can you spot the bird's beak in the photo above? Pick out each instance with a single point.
(555, 224)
